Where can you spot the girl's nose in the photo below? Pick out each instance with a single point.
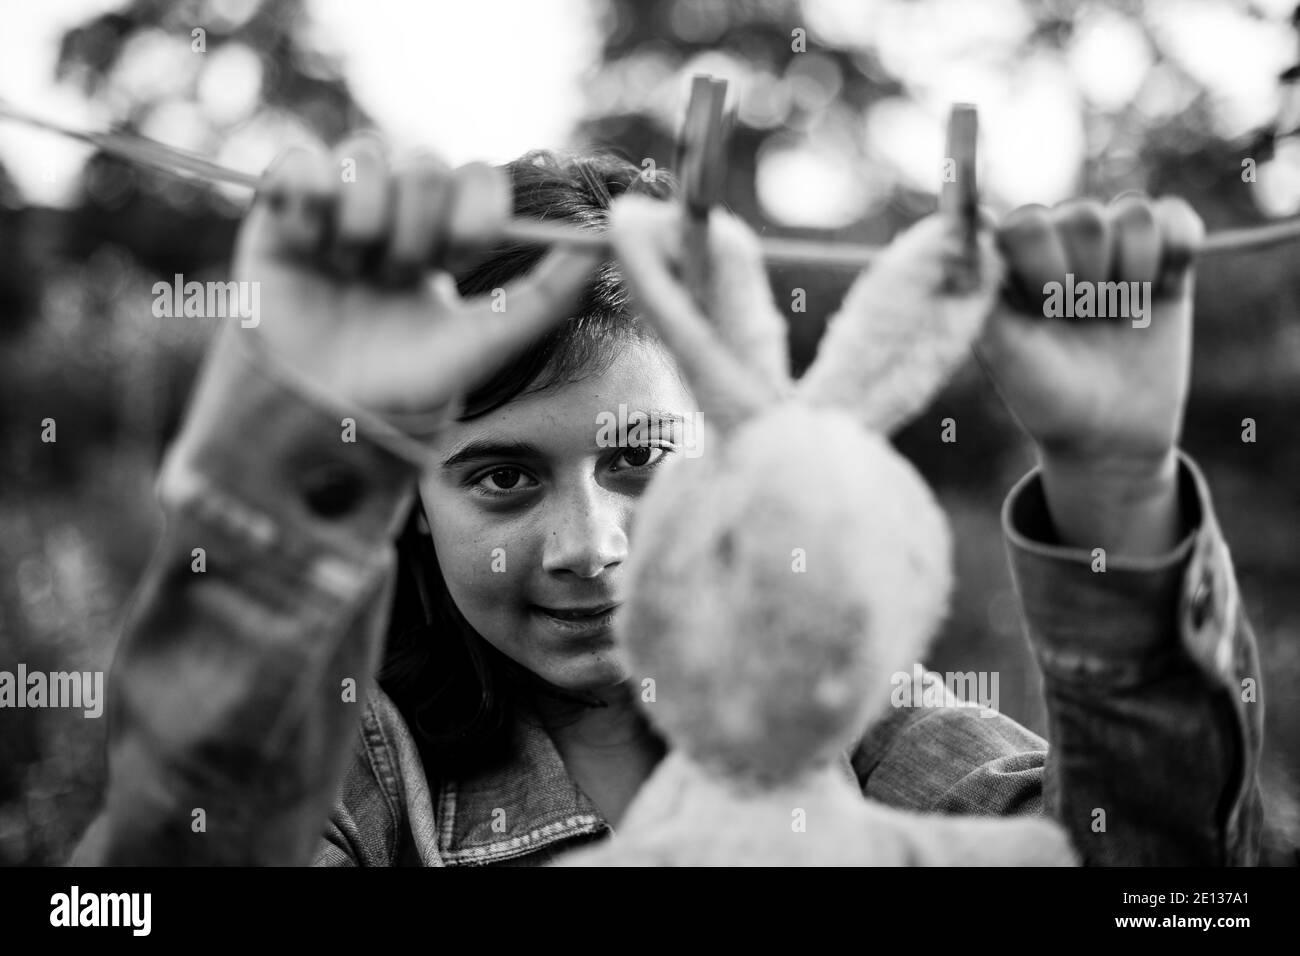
(587, 532)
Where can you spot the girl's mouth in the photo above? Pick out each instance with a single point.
(576, 621)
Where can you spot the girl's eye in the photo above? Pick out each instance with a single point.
(644, 456)
(507, 480)
(503, 481)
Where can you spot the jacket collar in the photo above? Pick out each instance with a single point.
(524, 804)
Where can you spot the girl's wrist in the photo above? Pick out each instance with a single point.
(1125, 506)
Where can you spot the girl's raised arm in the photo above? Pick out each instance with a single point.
(238, 684)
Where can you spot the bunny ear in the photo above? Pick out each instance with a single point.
(735, 362)
(904, 328)
(740, 302)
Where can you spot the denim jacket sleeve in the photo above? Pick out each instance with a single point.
(1151, 681)
(245, 662)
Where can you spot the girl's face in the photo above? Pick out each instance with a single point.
(531, 509)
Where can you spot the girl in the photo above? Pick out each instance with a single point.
(369, 405)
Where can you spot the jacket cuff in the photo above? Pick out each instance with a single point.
(264, 456)
(1150, 604)
(1139, 632)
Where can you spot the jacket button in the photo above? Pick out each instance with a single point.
(333, 489)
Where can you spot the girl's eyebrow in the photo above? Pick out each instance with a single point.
(659, 416)
(666, 424)
(656, 418)
(485, 448)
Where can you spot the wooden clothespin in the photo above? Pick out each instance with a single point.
(702, 166)
(959, 196)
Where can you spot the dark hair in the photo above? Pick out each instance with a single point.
(457, 692)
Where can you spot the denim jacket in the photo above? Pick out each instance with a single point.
(242, 685)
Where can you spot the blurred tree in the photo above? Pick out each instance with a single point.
(793, 83)
(18, 294)
(202, 74)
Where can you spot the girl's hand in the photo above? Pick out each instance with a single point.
(346, 299)
(1102, 397)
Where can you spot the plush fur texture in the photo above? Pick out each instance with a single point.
(686, 816)
(889, 350)
(806, 563)
(780, 579)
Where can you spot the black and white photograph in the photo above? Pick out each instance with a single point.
(651, 433)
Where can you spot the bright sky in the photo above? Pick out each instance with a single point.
(487, 79)
(490, 79)
(482, 80)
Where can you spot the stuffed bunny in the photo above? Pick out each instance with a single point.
(783, 576)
